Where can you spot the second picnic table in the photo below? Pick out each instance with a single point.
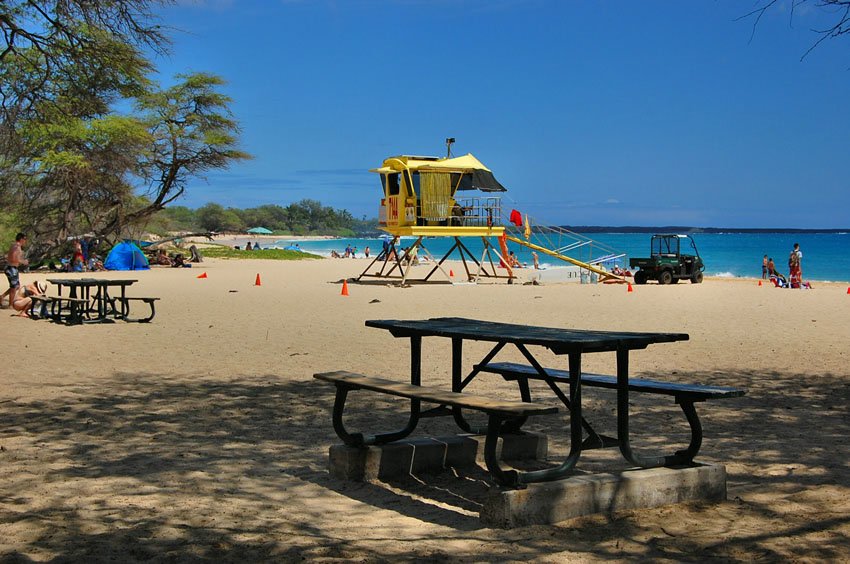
(101, 304)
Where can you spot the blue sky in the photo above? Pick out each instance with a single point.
(590, 113)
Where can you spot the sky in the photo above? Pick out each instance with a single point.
(590, 113)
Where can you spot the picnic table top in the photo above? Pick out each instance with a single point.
(91, 281)
(557, 339)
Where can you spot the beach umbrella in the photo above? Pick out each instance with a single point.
(259, 231)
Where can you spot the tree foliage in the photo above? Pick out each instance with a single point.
(69, 164)
(307, 217)
(838, 13)
(56, 38)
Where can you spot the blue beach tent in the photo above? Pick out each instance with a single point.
(126, 256)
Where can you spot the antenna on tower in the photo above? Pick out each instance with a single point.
(449, 141)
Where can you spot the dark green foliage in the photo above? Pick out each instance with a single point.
(307, 217)
(69, 164)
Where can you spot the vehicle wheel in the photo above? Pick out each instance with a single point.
(665, 277)
(640, 277)
(697, 277)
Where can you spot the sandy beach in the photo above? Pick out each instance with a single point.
(203, 436)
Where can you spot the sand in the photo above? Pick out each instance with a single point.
(203, 436)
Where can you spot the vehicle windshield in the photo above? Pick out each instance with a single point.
(665, 246)
(690, 248)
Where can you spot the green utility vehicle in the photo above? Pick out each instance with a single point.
(674, 258)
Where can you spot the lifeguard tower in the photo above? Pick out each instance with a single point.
(448, 197)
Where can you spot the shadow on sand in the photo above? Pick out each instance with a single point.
(143, 468)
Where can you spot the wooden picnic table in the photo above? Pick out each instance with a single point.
(101, 304)
(572, 343)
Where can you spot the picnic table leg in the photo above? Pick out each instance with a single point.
(506, 478)
(459, 383)
(86, 309)
(680, 457)
(357, 439)
(125, 306)
(594, 439)
(77, 311)
(576, 434)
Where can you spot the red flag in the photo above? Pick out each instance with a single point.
(516, 218)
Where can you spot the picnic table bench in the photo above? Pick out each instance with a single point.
(58, 307)
(497, 410)
(685, 396)
(124, 312)
(40, 303)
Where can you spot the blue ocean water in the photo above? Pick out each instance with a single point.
(826, 256)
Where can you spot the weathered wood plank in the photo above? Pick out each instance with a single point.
(433, 395)
(694, 391)
(557, 339)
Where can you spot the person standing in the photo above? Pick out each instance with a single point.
(78, 260)
(764, 272)
(536, 260)
(14, 260)
(795, 260)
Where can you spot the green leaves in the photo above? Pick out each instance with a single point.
(70, 162)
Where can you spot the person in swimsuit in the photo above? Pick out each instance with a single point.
(23, 299)
(14, 260)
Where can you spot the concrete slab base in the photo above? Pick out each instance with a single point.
(551, 502)
(429, 455)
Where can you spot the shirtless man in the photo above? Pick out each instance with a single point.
(14, 260)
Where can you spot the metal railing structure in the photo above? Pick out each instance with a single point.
(561, 241)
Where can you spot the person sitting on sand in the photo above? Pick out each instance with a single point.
(248, 247)
(778, 280)
(23, 298)
(95, 264)
(161, 258)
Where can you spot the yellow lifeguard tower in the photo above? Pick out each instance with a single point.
(421, 197)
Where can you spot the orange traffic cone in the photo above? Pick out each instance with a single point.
(344, 288)
(848, 290)
(451, 273)
(759, 282)
(630, 288)
(257, 281)
(202, 275)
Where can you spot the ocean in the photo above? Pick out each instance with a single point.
(826, 256)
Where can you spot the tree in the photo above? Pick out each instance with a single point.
(80, 174)
(839, 13)
(61, 37)
(213, 217)
(192, 132)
